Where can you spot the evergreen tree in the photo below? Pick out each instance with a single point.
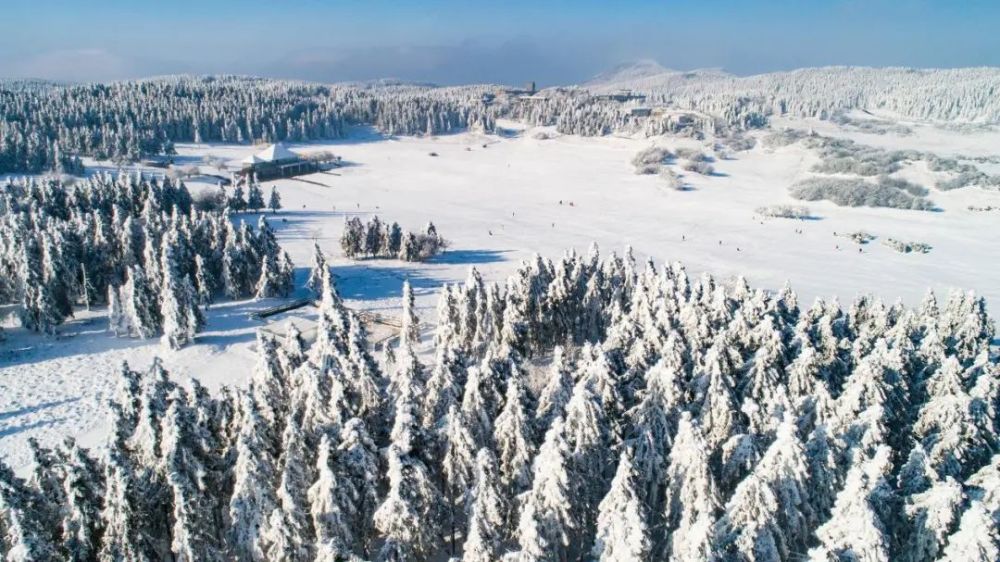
(274, 200)
(548, 521)
(513, 437)
(253, 497)
(622, 533)
(487, 513)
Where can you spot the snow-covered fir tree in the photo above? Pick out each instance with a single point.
(687, 420)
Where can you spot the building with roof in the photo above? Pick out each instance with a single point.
(276, 161)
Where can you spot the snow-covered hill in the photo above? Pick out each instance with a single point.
(966, 94)
(649, 76)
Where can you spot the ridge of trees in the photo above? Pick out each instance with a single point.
(665, 418)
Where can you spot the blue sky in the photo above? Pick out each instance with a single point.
(509, 41)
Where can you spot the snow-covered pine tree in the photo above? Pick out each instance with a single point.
(766, 517)
(178, 307)
(358, 464)
(692, 503)
(855, 525)
(194, 535)
(332, 524)
(976, 540)
(408, 520)
(255, 197)
(487, 513)
(548, 521)
(274, 200)
(457, 467)
(315, 281)
(622, 531)
(254, 477)
(512, 435)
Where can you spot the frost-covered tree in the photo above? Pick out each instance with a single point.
(253, 497)
(622, 532)
(512, 434)
(548, 520)
(487, 513)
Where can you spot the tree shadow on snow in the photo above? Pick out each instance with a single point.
(36, 408)
(370, 282)
(8, 431)
(471, 257)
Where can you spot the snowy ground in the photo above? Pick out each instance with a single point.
(497, 198)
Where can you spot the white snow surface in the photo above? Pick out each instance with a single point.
(497, 199)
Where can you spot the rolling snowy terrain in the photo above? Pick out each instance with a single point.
(497, 198)
(728, 376)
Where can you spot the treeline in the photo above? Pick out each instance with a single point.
(47, 127)
(137, 244)
(378, 239)
(943, 95)
(586, 409)
(579, 112)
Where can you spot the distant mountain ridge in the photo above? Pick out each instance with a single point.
(633, 70)
(647, 74)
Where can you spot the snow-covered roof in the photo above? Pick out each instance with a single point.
(273, 153)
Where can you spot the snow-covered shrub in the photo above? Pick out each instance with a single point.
(209, 200)
(693, 155)
(903, 185)
(859, 237)
(906, 247)
(649, 160)
(842, 156)
(739, 142)
(182, 172)
(870, 126)
(671, 179)
(967, 178)
(785, 211)
(784, 137)
(698, 166)
(861, 193)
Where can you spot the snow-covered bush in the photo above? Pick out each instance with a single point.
(842, 156)
(886, 192)
(906, 247)
(378, 239)
(859, 237)
(698, 166)
(685, 419)
(692, 155)
(650, 160)
(182, 172)
(969, 178)
(671, 179)
(785, 211)
(870, 126)
(738, 142)
(784, 137)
